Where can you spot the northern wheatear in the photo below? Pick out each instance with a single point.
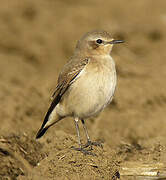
(86, 84)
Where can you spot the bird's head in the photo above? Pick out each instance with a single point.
(96, 43)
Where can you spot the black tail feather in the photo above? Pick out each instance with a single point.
(43, 129)
(41, 132)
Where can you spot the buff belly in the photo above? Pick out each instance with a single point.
(90, 93)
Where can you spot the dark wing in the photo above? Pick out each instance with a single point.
(67, 77)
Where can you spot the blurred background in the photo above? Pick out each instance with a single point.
(36, 39)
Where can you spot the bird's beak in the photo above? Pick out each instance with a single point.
(115, 41)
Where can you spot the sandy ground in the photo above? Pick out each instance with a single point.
(36, 40)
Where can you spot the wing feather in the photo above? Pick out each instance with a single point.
(66, 78)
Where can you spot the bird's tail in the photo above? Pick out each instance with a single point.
(50, 119)
(41, 132)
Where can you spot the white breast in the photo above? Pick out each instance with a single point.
(92, 91)
(107, 82)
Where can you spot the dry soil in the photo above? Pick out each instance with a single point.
(36, 40)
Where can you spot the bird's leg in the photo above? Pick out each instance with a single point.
(89, 142)
(80, 148)
(87, 136)
(78, 131)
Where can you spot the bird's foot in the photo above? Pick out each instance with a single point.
(83, 150)
(90, 144)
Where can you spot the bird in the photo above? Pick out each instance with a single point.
(86, 84)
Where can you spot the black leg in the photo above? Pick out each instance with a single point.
(80, 148)
(89, 142)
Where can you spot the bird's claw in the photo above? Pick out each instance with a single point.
(83, 150)
(90, 143)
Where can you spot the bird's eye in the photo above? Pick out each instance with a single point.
(99, 41)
